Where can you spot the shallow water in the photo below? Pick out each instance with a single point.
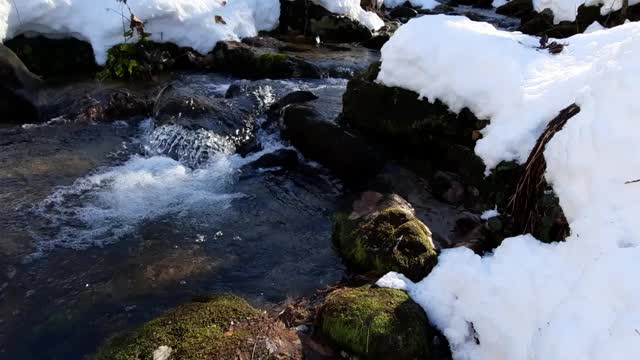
(101, 230)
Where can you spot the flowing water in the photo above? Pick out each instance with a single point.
(101, 229)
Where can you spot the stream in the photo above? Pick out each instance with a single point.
(102, 230)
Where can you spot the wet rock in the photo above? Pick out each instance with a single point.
(55, 58)
(381, 233)
(214, 328)
(17, 85)
(447, 187)
(349, 157)
(296, 97)
(471, 232)
(403, 12)
(227, 121)
(111, 105)
(283, 158)
(378, 323)
(311, 20)
(248, 62)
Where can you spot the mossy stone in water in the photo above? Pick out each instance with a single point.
(199, 330)
(386, 237)
(376, 323)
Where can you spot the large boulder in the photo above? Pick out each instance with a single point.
(311, 20)
(319, 139)
(406, 124)
(17, 85)
(249, 62)
(378, 323)
(381, 233)
(55, 58)
(221, 327)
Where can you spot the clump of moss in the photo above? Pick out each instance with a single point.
(274, 63)
(199, 330)
(376, 323)
(136, 61)
(390, 240)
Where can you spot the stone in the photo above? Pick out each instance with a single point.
(381, 233)
(403, 12)
(17, 88)
(378, 323)
(346, 155)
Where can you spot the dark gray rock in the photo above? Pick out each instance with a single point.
(346, 155)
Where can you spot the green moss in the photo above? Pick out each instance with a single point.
(193, 331)
(273, 65)
(122, 63)
(375, 323)
(390, 240)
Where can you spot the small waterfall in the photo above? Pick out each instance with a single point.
(191, 147)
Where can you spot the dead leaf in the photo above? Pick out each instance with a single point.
(220, 20)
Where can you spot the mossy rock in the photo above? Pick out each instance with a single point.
(376, 323)
(219, 328)
(386, 238)
(245, 61)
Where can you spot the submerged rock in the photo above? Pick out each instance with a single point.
(378, 323)
(382, 234)
(222, 327)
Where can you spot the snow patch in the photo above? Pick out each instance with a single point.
(490, 214)
(567, 10)
(579, 299)
(183, 22)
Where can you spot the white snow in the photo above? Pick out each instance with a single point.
(490, 214)
(579, 299)
(566, 10)
(423, 4)
(183, 22)
(595, 26)
(352, 10)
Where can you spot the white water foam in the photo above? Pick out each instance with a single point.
(112, 203)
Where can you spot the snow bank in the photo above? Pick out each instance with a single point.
(183, 22)
(528, 300)
(423, 4)
(353, 10)
(566, 10)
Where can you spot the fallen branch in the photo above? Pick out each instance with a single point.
(531, 184)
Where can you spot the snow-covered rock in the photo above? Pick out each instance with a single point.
(579, 299)
(352, 10)
(189, 23)
(566, 10)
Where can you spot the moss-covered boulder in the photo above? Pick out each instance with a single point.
(249, 62)
(377, 323)
(382, 234)
(222, 327)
